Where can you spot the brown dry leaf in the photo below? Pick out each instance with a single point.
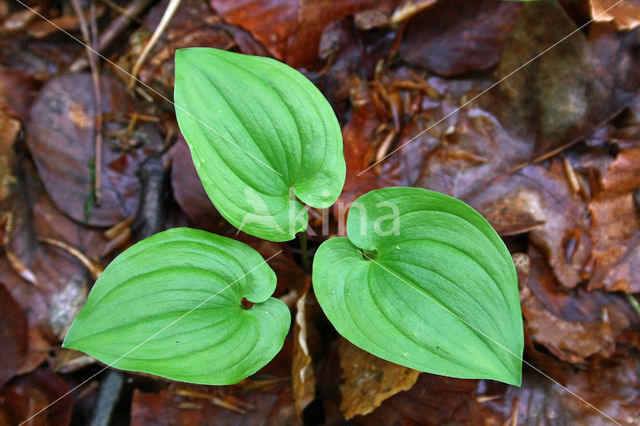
(570, 341)
(369, 380)
(302, 373)
(625, 15)
(573, 326)
(26, 395)
(17, 91)
(291, 29)
(569, 90)
(184, 404)
(540, 200)
(457, 36)
(13, 336)
(433, 400)
(61, 140)
(615, 226)
(610, 385)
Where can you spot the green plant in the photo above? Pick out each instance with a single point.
(422, 279)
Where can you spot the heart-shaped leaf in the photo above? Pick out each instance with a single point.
(261, 136)
(423, 281)
(171, 305)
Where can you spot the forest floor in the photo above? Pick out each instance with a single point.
(527, 111)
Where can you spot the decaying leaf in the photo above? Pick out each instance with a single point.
(625, 15)
(302, 373)
(13, 336)
(61, 140)
(369, 380)
(615, 226)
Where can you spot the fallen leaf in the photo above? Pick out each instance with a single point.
(188, 190)
(61, 141)
(184, 404)
(369, 380)
(433, 400)
(13, 336)
(615, 226)
(455, 37)
(625, 15)
(539, 200)
(302, 373)
(26, 395)
(565, 92)
(17, 91)
(572, 326)
(610, 385)
(291, 29)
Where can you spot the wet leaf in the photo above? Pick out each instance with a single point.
(271, 139)
(179, 273)
(393, 287)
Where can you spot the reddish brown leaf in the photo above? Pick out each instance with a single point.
(573, 326)
(541, 201)
(433, 400)
(291, 29)
(457, 36)
(615, 226)
(26, 395)
(13, 336)
(184, 404)
(188, 190)
(17, 92)
(61, 140)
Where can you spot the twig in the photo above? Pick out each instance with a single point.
(97, 98)
(108, 395)
(164, 22)
(115, 28)
(94, 268)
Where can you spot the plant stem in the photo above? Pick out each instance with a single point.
(304, 252)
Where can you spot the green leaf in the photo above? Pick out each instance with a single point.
(423, 281)
(144, 307)
(262, 137)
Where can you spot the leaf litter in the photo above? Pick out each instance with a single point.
(550, 156)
